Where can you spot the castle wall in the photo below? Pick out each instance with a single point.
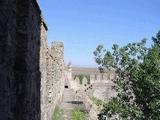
(55, 74)
(7, 51)
(19, 60)
(52, 74)
(31, 74)
(43, 69)
(100, 85)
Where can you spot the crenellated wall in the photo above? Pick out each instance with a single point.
(90, 81)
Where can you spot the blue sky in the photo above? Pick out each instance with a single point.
(83, 24)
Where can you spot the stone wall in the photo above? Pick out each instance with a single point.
(93, 74)
(100, 85)
(43, 69)
(52, 74)
(92, 109)
(31, 73)
(19, 60)
(55, 76)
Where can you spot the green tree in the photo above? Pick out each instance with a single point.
(137, 82)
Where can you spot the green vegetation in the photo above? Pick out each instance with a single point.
(58, 114)
(81, 76)
(137, 82)
(97, 101)
(77, 114)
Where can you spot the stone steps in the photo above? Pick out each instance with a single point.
(69, 103)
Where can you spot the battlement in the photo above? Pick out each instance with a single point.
(57, 44)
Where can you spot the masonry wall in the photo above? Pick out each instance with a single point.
(55, 76)
(52, 74)
(31, 73)
(19, 60)
(7, 51)
(43, 69)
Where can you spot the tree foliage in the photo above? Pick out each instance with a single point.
(137, 82)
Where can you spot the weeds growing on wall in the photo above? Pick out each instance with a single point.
(97, 101)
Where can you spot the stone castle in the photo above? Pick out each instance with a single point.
(33, 76)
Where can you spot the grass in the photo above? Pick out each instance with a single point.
(97, 101)
(58, 114)
(77, 114)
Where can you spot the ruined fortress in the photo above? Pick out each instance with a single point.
(32, 75)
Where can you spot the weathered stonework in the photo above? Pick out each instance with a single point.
(99, 85)
(19, 60)
(55, 77)
(31, 73)
(43, 69)
(52, 74)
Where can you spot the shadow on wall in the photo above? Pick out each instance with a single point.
(19, 60)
